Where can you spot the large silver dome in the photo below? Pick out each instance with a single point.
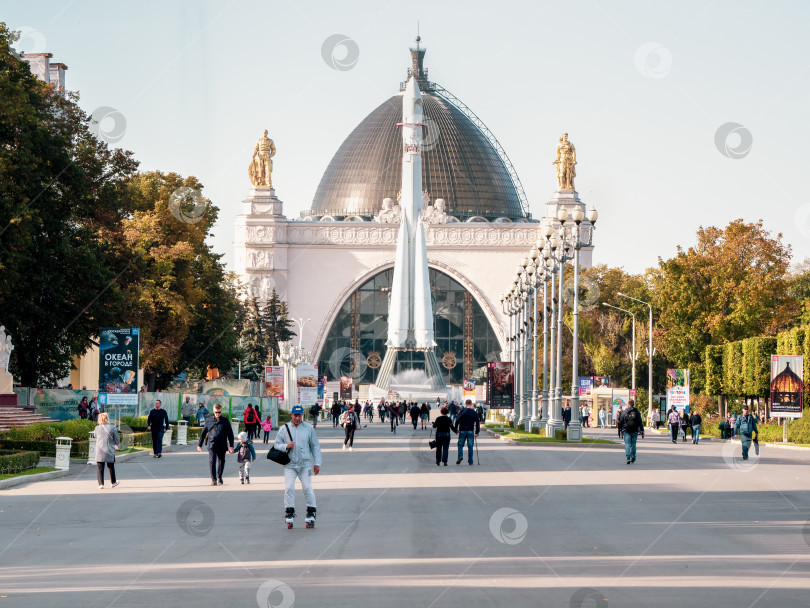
(459, 162)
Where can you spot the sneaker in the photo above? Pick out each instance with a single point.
(159, 455)
(115, 484)
(470, 464)
(459, 461)
(248, 480)
(101, 487)
(437, 464)
(220, 481)
(242, 481)
(628, 461)
(351, 449)
(214, 482)
(632, 460)
(445, 464)
(344, 447)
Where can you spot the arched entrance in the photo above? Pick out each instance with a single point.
(355, 343)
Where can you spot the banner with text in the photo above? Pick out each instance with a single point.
(274, 382)
(307, 385)
(118, 360)
(787, 386)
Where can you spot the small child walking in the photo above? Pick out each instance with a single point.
(267, 426)
(245, 454)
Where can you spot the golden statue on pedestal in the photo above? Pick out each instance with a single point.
(566, 159)
(261, 166)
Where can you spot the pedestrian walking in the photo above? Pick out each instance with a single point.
(424, 414)
(685, 424)
(158, 423)
(252, 421)
(746, 428)
(443, 425)
(350, 422)
(467, 426)
(602, 417)
(630, 425)
(584, 415)
(96, 408)
(267, 426)
(217, 434)
(107, 442)
(187, 410)
(567, 415)
(695, 420)
(201, 414)
(656, 419)
(301, 443)
(453, 409)
(674, 421)
(414, 415)
(83, 408)
(245, 454)
(335, 411)
(315, 413)
(393, 415)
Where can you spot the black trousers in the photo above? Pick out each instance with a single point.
(349, 440)
(111, 467)
(216, 461)
(157, 440)
(250, 427)
(442, 447)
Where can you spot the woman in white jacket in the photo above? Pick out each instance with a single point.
(107, 442)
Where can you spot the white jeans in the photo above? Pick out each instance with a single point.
(244, 469)
(305, 475)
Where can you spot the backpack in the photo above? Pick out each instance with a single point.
(745, 425)
(632, 421)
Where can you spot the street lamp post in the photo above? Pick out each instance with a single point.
(633, 353)
(555, 421)
(300, 322)
(575, 428)
(649, 352)
(544, 416)
(533, 271)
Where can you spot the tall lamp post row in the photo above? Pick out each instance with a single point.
(560, 242)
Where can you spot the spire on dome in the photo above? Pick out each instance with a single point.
(417, 68)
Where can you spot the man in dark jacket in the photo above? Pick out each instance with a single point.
(158, 423)
(467, 426)
(630, 425)
(746, 428)
(219, 435)
(335, 411)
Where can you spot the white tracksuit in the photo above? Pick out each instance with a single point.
(305, 454)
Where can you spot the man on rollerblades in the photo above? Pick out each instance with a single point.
(299, 439)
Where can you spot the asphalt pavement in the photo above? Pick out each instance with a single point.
(532, 525)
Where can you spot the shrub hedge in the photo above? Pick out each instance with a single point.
(78, 449)
(17, 462)
(78, 430)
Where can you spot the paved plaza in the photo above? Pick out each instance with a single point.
(550, 525)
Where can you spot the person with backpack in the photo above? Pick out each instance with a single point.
(630, 425)
(695, 420)
(746, 427)
(335, 410)
(252, 421)
(315, 412)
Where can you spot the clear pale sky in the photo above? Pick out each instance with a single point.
(641, 87)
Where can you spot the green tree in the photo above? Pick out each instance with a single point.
(264, 327)
(731, 285)
(175, 286)
(59, 186)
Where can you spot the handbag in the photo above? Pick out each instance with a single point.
(281, 457)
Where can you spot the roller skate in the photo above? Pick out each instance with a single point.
(289, 516)
(310, 519)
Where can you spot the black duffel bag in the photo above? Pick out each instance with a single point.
(281, 457)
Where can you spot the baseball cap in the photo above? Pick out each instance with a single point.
(297, 409)
(243, 436)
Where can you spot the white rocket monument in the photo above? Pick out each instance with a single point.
(410, 309)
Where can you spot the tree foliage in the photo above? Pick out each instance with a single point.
(59, 186)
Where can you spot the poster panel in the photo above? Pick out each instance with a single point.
(307, 384)
(501, 385)
(118, 360)
(274, 382)
(345, 387)
(678, 397)
(469, 388)
(585, 386)
(678, 377)
(787, 386)
(601, 382)
(321, 390)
